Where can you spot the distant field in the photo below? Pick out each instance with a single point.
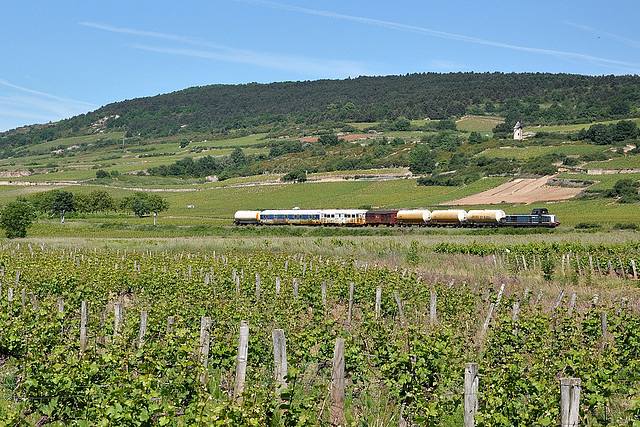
(212, 202)
(216, 206)
(603, 181)
(534, 151)
(626, 162)
(76, 140)
(602, 211)
(571, 128)
(82, 167)
(482, 124)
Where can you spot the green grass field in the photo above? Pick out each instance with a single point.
(535, 151)
(617, 163)
(482, 124)
(571, 128)
(215, 203)
(603, 182)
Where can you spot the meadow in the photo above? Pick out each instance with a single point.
(524, 153)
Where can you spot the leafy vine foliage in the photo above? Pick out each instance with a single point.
(393, 364)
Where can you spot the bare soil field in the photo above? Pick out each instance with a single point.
(519, 191)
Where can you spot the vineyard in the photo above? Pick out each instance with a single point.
(142, 338)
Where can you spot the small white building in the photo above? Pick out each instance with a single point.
(517, 131)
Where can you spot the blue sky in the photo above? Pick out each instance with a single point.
(63, 58)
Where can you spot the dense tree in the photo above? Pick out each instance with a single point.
(422, 159)
(157, 203)
(446, 125)
(62, 203)
(238, 158)
(82, 203)
(100, 173)
(600, 134)
(297, 175)
(476, 138)
(55, 202)
(101, 201)
(329, 139)
(16, 218)
(626, 190)
(623, 130)
(142, 204)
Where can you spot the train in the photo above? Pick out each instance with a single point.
(539, 217)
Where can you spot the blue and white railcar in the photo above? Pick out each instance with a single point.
(290, 217)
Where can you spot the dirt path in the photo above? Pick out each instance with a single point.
(519, 191)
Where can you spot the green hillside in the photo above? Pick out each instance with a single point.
(396, 141)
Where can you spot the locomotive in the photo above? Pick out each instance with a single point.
(539, 217)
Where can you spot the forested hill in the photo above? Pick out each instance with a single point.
(216, 109)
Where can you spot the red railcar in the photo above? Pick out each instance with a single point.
(384, 217)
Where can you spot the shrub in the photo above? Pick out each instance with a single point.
(16, 218)
(625, 226)
(101, 173)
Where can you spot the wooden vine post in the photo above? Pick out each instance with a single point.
(83, 325)
(487, 320)
(296, 282)
(241, 365)
(280, 359)
(350, 313)
(572, 304)
(603, 326)
(143, 328)
(569, 401)
(378, 301)
(118, 314)
(203, 351)
(433, 316)
(171, 320)
(470, 394)
(337, 385)
(399, 303)
(323, 293)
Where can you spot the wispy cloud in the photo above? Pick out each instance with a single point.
(445, 35)
(61, 100)
(18, 104)
(299, 64)
(625, 40)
